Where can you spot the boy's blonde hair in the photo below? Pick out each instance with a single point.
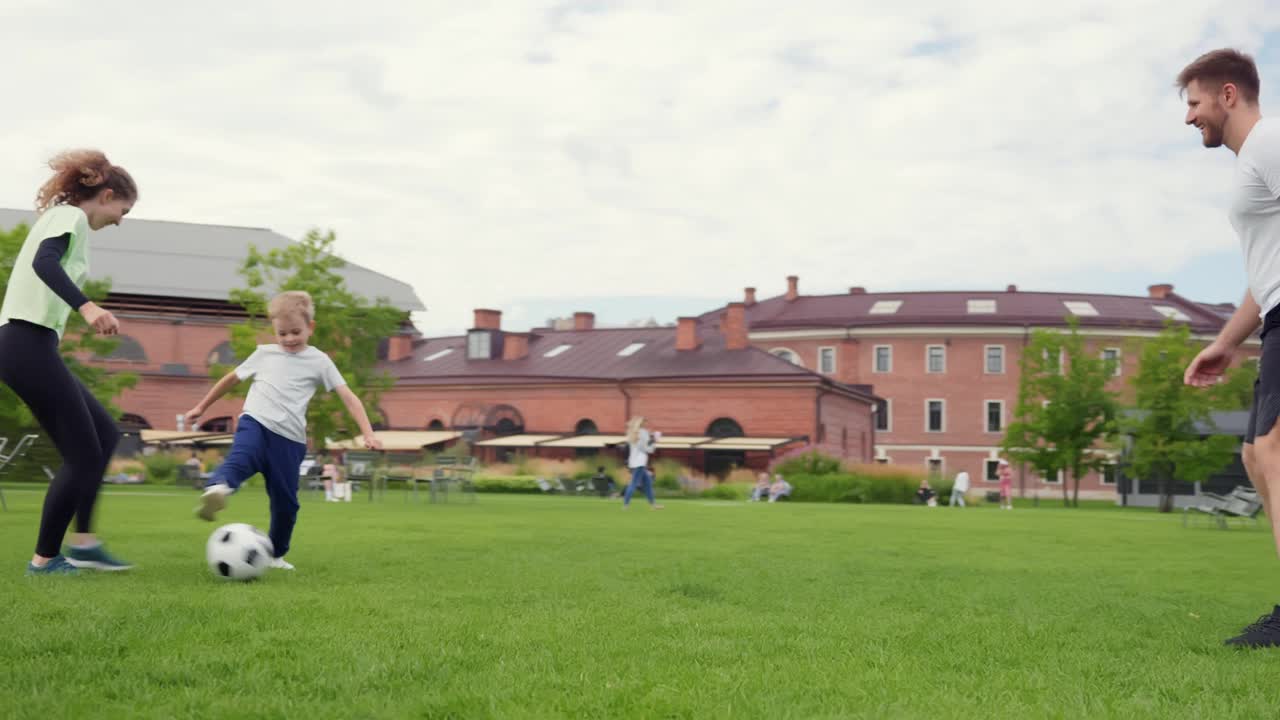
(292, 302)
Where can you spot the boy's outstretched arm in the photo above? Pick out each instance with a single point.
(356, 408)
(219, 389)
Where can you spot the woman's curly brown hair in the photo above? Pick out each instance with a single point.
(79, 175)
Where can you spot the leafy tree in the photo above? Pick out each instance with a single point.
(1165, 425)
(1064, 409)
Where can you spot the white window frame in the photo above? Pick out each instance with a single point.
(821, 350)
(875, 359)
(884, 307)
(888, 406)
(1119, 359)
(943, 402)
(986, 429)
(986, 369)
(988, 462)
(558, 350)
(1061, 478)
(438, 354)
(927, 348)
(1081, 308)
(981, 306)
(631, 349)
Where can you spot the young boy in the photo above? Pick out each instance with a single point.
(272, 434)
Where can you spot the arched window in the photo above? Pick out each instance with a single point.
(725, 428)
(586, 426)
(787, 354)
(127, 350)
(130, 421)
(436, 424)
(222, 354)
(506, 426)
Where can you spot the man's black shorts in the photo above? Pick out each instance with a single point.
(1266, 389)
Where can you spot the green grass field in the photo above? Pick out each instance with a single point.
(545, 607)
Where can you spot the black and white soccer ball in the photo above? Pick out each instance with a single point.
(238, 551)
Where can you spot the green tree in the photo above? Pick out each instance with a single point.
(348, 327)
(1064, 409)
(78, 341)
(1166, 443)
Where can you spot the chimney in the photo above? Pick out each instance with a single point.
(488, 320)
(687, 334)
(749, 298)
(584, 321)
(515, 346)
(857, 290)
(734, 327)
(1011, 288)
(793, 287)
(1159, 292)
(399, 347)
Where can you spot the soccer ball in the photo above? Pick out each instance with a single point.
(238, 552)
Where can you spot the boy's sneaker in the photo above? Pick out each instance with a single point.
(212, 501)
(1263, 633)
(280, 564)
(95, 558)
(57, 565)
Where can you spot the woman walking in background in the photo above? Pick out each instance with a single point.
(641, 444)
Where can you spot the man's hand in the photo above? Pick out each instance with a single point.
(371, 442)
(100, 320)
(1208, 367)
(193, 415)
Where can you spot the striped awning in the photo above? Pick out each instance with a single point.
(399, 440)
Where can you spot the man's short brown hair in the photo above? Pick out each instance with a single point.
(1219, 67)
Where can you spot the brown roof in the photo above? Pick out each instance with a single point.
(952, 308)
(593, 355)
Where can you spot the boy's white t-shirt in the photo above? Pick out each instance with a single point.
(962, 482)
(1255, 211)
(283, 384)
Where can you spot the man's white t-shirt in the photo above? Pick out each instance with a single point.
(283, 383)
(1255, 211)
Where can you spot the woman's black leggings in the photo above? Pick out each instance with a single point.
(80, 428)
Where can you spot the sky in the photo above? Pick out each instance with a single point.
(651, 159)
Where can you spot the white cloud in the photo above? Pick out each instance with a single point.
(498, 153)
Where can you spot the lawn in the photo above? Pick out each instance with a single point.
(523, 606)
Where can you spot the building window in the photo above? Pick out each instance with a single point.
(827, 360)
(479, 345)
(1110, 473)
(995, 359)
(1112, 357)
(222, 354)
(436, 424)
(844, 439)
(1055, 480)
(728, 428)
(787, 354)
(992, 471)
(586, 427)
(934, 412)
(884, 359)
(882, 461)
(882, 416)
(935, 468)
(936, 358)
(995, 416)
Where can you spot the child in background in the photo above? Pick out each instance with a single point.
(1005, 473)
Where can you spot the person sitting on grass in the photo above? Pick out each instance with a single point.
(603, 483)
(779, 489)
(761, 490)
(925, 495)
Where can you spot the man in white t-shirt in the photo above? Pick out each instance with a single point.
(1221, 89)
(960, 487)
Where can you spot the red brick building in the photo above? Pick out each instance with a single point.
(946, 364)
(697, 380)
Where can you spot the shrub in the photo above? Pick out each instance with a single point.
(881, 486)
(508, 484)
(810, 463)
(728, 491)
(667, 474)
(162, 468)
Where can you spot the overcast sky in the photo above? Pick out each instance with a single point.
(653, 158)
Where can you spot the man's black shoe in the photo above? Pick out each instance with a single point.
(1263, 633)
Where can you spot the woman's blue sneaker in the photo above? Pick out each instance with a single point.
(57, 565)
(95, 558)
